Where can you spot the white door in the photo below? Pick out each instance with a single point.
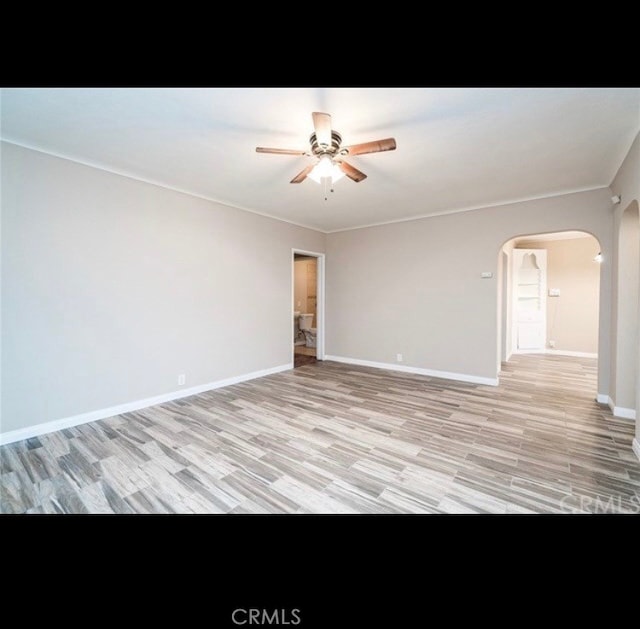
(529, 299)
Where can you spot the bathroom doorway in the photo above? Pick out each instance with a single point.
(307, 307)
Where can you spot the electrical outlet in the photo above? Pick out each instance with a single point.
(182, 379)
(552, 343)
(399, 357)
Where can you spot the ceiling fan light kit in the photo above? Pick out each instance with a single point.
(326, 146)
(326, 167)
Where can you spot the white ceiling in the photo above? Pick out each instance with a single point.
(457, 148)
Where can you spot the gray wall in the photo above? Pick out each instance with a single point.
(415, 287)
(112, 287)
(626, 184)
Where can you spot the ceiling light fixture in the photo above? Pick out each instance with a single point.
(598, 258)
(326, 167)
(326, 172)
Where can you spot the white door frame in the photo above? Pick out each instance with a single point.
(319, 300)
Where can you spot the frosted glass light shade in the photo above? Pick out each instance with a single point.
(326, 168)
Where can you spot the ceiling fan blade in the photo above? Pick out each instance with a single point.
(351, 172)
(377, 146)
(322, 126)
(262, 149)
(302, 175)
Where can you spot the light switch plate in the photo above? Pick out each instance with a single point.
(486, 275)
(554, 292)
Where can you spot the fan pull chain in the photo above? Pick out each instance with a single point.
(325, 184)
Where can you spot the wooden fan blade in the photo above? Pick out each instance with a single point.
(351, 172)
(262, 149)
(377, 146)
(322, 127)
(302, 175)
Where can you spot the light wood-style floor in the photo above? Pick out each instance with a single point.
(304, 350)
(334, 438)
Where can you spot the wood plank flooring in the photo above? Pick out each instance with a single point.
(300, 359)
(304, 355)
(335, 438)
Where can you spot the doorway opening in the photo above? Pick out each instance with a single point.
(307, 307)
(549, 297)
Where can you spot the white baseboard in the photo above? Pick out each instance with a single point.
(636, 447)
(556, 352)
(562, 352)
(517, 352)
(624, 413)
(618, 411)
(602, 398)
(461, 377)
(68, 422)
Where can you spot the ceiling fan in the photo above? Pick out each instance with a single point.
(326, 147)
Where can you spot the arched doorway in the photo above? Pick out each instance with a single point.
(560, 315)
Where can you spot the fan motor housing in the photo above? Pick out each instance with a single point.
(318, 149)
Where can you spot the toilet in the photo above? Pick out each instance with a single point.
(304, 322)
